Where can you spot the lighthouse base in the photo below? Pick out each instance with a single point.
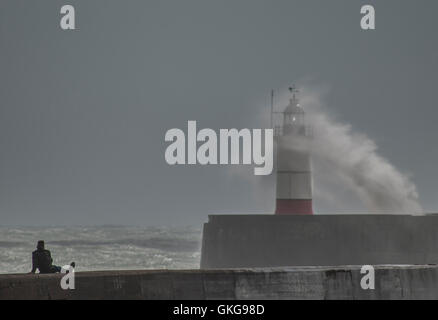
(294, 207)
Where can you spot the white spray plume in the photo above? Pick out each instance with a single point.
(347, 162)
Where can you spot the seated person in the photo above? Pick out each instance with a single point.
(42, 260)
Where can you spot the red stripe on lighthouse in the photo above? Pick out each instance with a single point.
(293, 207)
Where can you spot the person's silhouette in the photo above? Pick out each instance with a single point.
(42, 260)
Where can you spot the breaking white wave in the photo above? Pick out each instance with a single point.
(344, 159)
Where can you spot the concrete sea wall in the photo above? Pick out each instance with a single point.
(391, 282)
(242, 241)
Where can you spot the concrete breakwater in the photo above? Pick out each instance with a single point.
(343, 282)
(249, 241)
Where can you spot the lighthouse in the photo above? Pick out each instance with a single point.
(294, 173)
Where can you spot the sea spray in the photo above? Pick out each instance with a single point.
(351, 159)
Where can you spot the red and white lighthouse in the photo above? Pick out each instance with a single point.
(294, 173)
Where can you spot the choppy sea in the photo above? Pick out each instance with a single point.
(102, 248)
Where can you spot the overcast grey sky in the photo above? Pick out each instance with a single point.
(83, 113)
